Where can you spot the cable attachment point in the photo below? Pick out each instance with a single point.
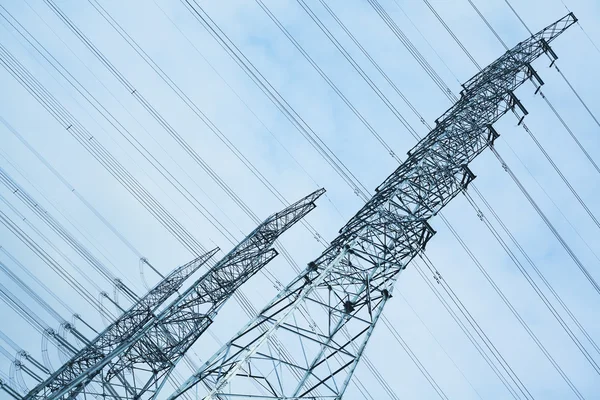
(467, 178)
(534, 77)
(515, 103)
(492, 134)
(427, 233)
(548, 51)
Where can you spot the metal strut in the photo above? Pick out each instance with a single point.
(136, 357)
(120, 330)
(325, 316)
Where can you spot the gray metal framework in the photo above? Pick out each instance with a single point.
(326, 315)
(134, 356)
(121, 329)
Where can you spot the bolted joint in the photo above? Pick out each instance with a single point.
(348, 249)
(311, 267)
(348, 306)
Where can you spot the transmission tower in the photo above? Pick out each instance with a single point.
(328, 313)
(133, 357)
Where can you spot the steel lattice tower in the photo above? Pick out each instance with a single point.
(328, 312)
(132, 357)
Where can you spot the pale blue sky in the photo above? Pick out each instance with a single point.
(267, 139)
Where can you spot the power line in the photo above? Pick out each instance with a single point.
(364, 391)
(100, 153)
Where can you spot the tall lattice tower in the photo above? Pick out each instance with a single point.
(307, 341)
(330, 310)
(133, 357)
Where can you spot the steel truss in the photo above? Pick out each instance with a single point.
(121, 329)
(133, 357)
(327, 314)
